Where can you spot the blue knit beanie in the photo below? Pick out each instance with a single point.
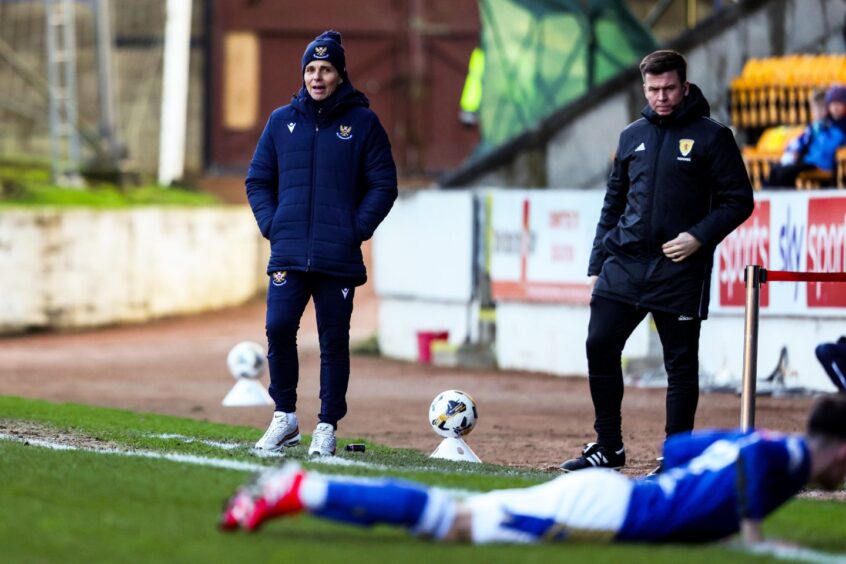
(836, 93)
(327, 47)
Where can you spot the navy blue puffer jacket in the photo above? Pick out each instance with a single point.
(321, 180)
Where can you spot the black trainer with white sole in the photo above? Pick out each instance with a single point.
(595, 455)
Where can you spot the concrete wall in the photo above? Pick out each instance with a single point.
(401, 318)
(721, 349)
(82, 268)
(551, 338)
(577, 154)
(423, 270)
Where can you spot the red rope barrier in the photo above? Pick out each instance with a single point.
(786, 276)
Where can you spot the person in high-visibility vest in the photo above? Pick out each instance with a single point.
(471, 96)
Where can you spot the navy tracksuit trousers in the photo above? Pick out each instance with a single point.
(287, 297)
(832, 356)
(611, 324)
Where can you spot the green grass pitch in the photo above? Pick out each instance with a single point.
(82, 506)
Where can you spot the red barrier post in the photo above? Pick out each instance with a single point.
(753, 278)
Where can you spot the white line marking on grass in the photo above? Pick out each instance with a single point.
(205, 461)
(187, 440)
(215, 462)
(201, 460)
(325, 461)
(328, 461)
(338, 461)
(186, 458)
(794, 553)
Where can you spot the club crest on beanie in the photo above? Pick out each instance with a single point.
(327, 47)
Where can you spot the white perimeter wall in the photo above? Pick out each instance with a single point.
(551, 338)
(400, 319)
(424, 261)
(79, 268)
(721, 349)
(423, 270)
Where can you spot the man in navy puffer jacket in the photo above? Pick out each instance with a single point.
(321, 180)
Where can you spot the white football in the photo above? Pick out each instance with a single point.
(246, 360)
(453, 414)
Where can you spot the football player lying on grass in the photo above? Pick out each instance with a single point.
(714, 484)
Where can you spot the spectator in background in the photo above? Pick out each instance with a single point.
(816, 148)
(471, 95)
(321, 180)
(817, 104)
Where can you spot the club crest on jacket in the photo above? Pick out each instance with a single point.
(685, 146)
(344, 132)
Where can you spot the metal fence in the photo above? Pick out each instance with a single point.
(134, 42)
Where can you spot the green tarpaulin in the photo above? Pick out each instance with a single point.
(542, 54)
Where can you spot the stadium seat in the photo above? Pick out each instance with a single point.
(760, 157)
(813, 179)
(777, 90)
(841, 167)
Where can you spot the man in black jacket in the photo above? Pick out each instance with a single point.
(677, 188)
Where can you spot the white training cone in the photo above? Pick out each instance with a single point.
(454, 448)
(247, 391)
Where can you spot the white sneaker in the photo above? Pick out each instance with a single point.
(283, 431)
(322, 440)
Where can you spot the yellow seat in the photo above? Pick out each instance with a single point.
(767, 152)
(778, 89)
(813, 179)
(841, 167)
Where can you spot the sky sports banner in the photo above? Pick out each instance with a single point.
(540, 244)
(794, 231)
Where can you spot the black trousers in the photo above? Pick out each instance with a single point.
(611, 324)
(333, 303)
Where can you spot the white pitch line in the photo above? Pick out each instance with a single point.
(186, 439)
(186, 458)
(201, 460)
(327, 461)
(793, 553)
(214, 462)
